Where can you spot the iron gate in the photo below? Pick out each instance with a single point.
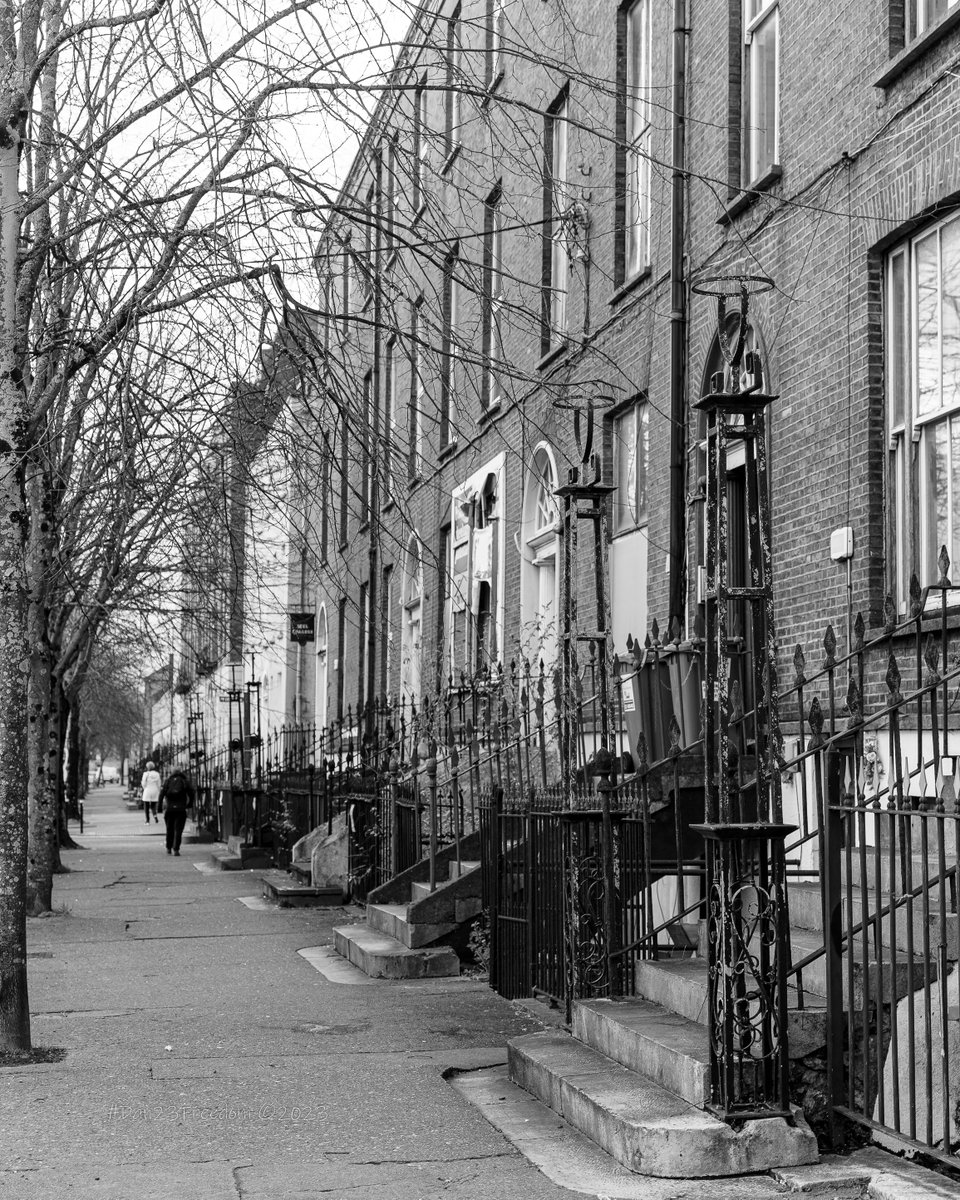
(557, 928)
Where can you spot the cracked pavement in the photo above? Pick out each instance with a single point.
(205, 1057)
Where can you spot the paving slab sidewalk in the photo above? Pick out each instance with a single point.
(203, 1056)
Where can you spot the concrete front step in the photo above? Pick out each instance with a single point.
(302, 870)
(643, 1126)
(886, 975)
(223, 860)
(456, 870)
(806, 912)
(420, 890)
(680, 986)
(392, 919)
(383, 957)
(288, 892)
(650, 1040)
(915, 867)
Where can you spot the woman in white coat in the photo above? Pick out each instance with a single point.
(150, 791)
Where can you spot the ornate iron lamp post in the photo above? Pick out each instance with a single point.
(743, 828)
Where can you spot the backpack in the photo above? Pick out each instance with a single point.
(176, 791)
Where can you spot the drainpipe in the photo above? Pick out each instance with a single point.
(678, 324)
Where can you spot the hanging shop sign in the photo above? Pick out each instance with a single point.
(302, 627)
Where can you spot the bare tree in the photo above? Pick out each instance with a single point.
(144, 201)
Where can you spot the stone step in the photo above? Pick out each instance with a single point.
(456, 870)
(650, 1040)
(383, 957)
(288, 892)
(680, 986)
(643, 1126)
(223, 860)
(301, 869)
(806, 913)
(420, 890)
(889, 975)
(863, 868)
(392, 919)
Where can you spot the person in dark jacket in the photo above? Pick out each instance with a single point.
(177, 796)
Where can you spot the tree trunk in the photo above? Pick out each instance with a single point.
(83, 766)
(74, 795)
(43, 742)
(63, 721)
(14, 657)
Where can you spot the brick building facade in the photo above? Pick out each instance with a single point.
(500, 257)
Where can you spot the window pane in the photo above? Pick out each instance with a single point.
(638, 187)
(762, 117)
(950, 312)
(637, 70)
(937, 512)
(756, 7)
(625, 467)
(925, 13)
(953, 544)
(928, 326)
(898, 355)
(899, 521)
(643, 462)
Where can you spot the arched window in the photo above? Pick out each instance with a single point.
(321, 680)
(411, 604)
(540, 550)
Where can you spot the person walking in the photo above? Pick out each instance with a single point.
(177, 796)
(150, 791)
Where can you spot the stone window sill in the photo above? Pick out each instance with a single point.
(750, 194)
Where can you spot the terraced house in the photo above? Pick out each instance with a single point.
(634, 314)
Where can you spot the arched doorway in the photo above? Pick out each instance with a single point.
(321, 679)
(411, 615)
(716, 376)
(539, 547)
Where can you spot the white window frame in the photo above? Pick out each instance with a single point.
(631, 437)
(494, 42)
(321, 679)
(637, 112)
(541, 537)
(411, 621)
(367, 447)
(420, 157)
(923, 405)
(558, 282)
(492, 351)
(346, 290)
(761, 18)
(464, 582)
(369, 264)
(450, 350)
(415, 398)
(389, 417)
(453, 115)
(917, 21)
